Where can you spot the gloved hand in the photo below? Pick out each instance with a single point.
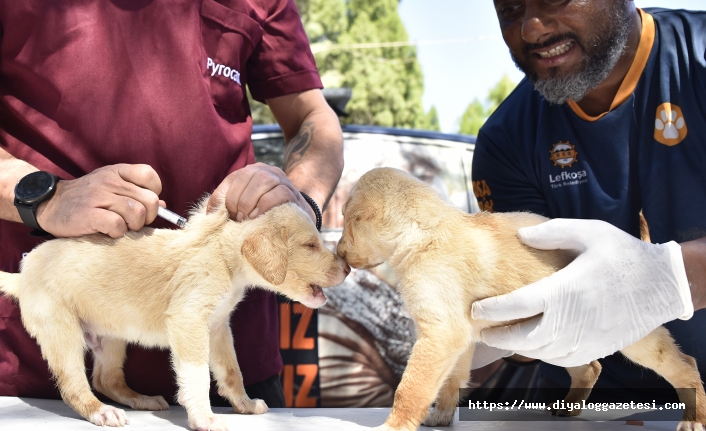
(485, 354)
(614, 293)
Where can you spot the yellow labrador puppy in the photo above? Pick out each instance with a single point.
(165, 288)
(445, 260)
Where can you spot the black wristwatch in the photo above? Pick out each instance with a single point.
(32, 190)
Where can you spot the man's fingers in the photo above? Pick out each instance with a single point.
(583, 357)
(565, 234)
(141, 183)
(278, 195)
(219, 195)
(142, 176)
(107, 222)
(260, 184)
(148, 203)
(257, 188)
(484, 355)
(517, 338)
(130, 210)
(522, 303)
(109, 200)
(253, 190)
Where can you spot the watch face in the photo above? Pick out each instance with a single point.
(34, 186)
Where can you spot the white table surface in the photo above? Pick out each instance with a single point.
(54, 415)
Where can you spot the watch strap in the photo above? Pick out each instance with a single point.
(27, 211)
(27, 215)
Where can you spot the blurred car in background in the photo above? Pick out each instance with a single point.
(352, 352)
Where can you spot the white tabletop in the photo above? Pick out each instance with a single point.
(36, 414)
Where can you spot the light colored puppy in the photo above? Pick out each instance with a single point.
(165, 288)
(445, 260)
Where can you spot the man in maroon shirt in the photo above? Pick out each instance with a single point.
(130, 102)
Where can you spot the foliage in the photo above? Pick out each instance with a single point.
(476, 114)
(473, 118)
(387, 81)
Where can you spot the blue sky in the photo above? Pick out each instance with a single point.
(462, 52)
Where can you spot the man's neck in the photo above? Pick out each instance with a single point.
(599, 100)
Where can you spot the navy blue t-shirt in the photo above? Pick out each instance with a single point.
(647, 153)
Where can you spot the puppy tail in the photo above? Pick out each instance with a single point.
(10, 284)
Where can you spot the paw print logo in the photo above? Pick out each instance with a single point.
(670, 127)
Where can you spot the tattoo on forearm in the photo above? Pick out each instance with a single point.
(298, 146)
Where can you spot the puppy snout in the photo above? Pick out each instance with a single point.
(340, 271)
(341, 250)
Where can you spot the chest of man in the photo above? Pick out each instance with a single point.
(646, 155)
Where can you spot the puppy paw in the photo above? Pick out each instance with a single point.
(246, 406)
(440, 418)
(208, 423)
(143, 402)
(690, 426)
(109, 416)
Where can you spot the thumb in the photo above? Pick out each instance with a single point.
(484, 355)
(522, 303)
(518, 337)
(218, 197)
(563, 234)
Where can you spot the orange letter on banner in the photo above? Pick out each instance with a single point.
(288, 385)
(300, 341)
(309, 372)
(285, 323)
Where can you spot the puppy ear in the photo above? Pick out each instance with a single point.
(266, 251)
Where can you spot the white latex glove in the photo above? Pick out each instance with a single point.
(484, 355)
(614, 293)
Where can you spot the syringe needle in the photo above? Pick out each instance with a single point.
(171, 217)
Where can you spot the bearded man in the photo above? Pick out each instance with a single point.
(610, 122)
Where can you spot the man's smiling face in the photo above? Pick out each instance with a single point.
(565, 47)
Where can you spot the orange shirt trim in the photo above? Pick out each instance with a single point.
(647, 39)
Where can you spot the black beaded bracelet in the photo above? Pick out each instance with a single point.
(314, 207)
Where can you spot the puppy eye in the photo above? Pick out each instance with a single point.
(311, 245)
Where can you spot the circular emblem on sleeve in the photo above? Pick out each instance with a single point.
(563, 154)
(670, 126)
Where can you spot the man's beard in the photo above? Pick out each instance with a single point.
(604, 50)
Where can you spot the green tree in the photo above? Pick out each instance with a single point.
(473, 118)
(431, 120)
(477, 113)
(499, 93)
(354, 43)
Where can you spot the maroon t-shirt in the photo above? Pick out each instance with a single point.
(85, 84)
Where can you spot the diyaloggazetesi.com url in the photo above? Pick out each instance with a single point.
(562, 405)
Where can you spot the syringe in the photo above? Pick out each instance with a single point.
(171, 217)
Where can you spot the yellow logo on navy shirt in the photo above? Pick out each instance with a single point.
(482, 192)
(670, 126)
(563, 154)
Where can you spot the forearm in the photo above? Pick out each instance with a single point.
(694, 254)
(11, 171)
(314, 156)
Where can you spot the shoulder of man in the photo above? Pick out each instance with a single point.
(689, 25)
(515, 117)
